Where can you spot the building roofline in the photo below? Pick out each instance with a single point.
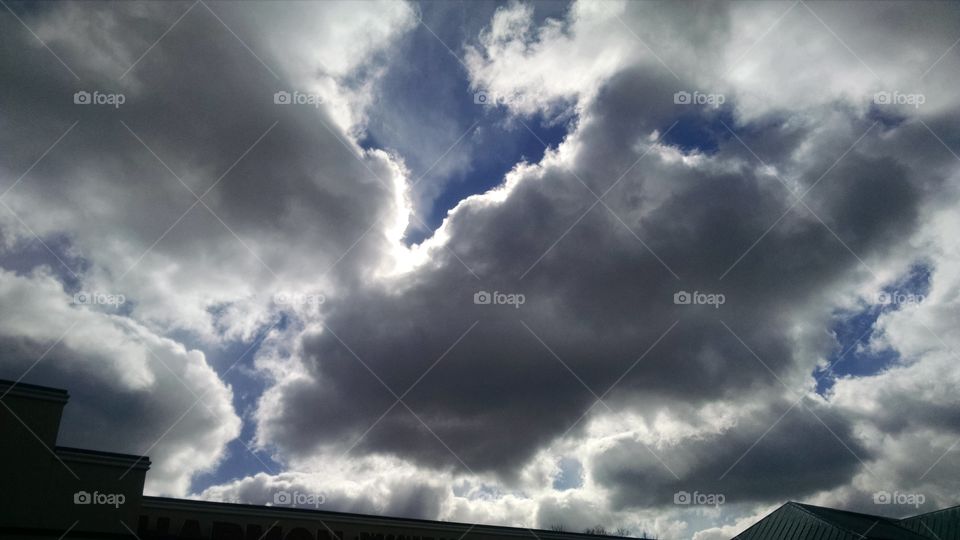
(930, 513)
(807, 509)
(102, 458)
(306, 513)
(873, 516)
(22, 389)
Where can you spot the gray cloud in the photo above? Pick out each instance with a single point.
(209, 118)
(599, 298)
(798, 456)
(285, 205)
(131, 390)
(599, 279)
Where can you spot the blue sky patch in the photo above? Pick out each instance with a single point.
(853, 332)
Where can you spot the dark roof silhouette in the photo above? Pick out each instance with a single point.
(797, 521)
(940, 524)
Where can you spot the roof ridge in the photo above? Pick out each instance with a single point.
(859, 534)
(847, 511)
(955, 507)
(520, 531)
(803, 508)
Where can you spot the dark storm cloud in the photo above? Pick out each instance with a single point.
(487, 386)
(599, 298)
(293, 196)
(805, 451)
(200, 100)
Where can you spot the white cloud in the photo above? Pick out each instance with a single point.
(290, 212)
(768, 58)
(287, 217)
(151, 381)
(308, 212)
(906, 413)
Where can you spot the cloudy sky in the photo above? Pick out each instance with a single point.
(660, 266)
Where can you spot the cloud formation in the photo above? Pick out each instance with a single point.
(175, 200)
(772, 155)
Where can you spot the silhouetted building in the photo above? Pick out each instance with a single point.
(55, 492)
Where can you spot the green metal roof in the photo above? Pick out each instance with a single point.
(939, 525)
(796, 521)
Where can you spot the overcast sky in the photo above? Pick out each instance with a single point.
(660, 266)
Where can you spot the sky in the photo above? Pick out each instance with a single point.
(652, 265)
